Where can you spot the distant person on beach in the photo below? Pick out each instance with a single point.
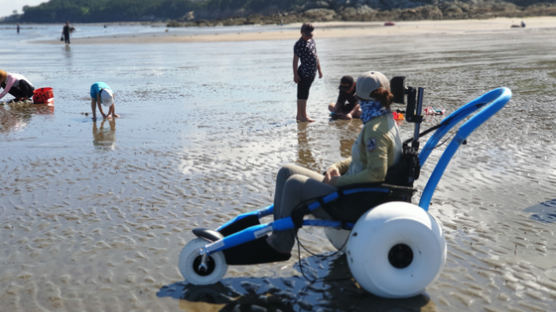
(347, 104)
(102, 95)
(66, 30)
(520, 25)
(17, 85)
(377, 148)
(17, 27)
(306, 51)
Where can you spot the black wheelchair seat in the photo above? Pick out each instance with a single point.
(354, 200)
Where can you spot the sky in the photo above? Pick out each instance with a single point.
(7, 6)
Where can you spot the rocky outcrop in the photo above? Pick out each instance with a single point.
(320, 14)
(228, 12)
(372, 10)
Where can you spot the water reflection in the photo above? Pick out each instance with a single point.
(104, 137)
(329, 286)
(10, 121)
(309, 155)
(68, 55)
(346, 131)
(46, 109)
(14, 116)
(304, 156)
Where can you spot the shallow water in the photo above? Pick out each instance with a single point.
(49, 32)
(94, 215)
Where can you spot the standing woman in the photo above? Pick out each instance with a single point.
(16, 85)
(306, 51)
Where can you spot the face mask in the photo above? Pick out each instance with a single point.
(371, 109)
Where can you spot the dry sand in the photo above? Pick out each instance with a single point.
(339, 29)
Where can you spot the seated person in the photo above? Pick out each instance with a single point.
(347, 105)
(16, 85)
(377, 148)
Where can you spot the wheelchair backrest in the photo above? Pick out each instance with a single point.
(406, 170)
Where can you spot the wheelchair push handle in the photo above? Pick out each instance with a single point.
(490, 102)
(414, 106)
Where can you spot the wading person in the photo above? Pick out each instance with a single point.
(347, 104)
(66, 30)
(305, 51)
(17, 85)
(102, 95)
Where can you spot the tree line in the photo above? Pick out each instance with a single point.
(189, 10)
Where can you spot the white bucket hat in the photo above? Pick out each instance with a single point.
(106, 97)
(368, 82)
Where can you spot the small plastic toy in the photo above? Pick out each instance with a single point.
(398, 116)
(429, 110)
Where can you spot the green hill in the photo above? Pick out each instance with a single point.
(273, 11)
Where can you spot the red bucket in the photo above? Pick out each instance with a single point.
(43, 96)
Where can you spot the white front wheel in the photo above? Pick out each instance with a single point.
(194, 270)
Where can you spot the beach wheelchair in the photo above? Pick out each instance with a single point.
(394, 248)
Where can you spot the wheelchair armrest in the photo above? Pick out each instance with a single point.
(403, 188)
(379, 186)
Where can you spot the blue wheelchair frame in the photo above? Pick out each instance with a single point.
(490, 102)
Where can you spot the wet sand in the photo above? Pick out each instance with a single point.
(94, 215)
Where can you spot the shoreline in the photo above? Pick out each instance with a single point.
(332, 30)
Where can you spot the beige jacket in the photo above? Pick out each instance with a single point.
(377, 147)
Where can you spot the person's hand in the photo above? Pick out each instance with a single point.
(320, 74)
(296, 78)
(94, 118)
(348, 116)
(331, 175)
(104, 116)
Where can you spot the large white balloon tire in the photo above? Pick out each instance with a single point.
(190, 259)
(395, 250)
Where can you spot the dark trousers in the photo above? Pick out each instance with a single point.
(303, 86)
(23, 90)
